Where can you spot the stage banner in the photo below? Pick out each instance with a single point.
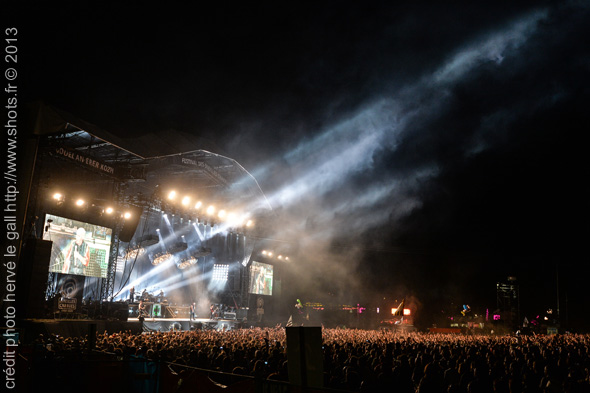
(85, 161)
(70, 288)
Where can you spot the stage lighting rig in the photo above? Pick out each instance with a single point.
(178, 247)
(186, 262)
(161, 258)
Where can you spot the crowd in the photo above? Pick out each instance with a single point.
(361, 360)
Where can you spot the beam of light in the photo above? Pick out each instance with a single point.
(168, 224)
(327, 161)
(201, 237)
(495, 47)
(184, 283)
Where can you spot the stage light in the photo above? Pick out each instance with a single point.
(264, 252)
(270, 254)
(57, 196)
(172, 195)
(157, 229)
(80, 202)
(126, 215)
(108, 210)
(249, 223)
(220, 272)
(407, 311)
(286, 258)
(198, 205)
(280, 257)
(211, 210)
(161, 258)
(221, 214)
(231, 217)
(186, 200)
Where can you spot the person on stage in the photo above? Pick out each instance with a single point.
(77, 254)
(193, 310)
(131, 294)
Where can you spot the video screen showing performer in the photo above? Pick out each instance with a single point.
(78, 248)
(261, 278)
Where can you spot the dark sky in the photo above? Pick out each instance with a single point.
(413, 150)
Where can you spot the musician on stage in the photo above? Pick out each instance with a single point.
(131, 294)
(141, 309)
(193, 310)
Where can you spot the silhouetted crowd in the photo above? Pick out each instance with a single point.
(361, 360)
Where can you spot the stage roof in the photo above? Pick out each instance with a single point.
(150, 162)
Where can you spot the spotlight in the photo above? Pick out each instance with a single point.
(80, 202)
(157, 229)
(57, 196)
(186, 200)
(264, 252)
(249, 223)
(280, 257)
(221, 214)
(127, 215)
(270, 254)
(108, 210)
(286, 258)
(198, 205)
(211, 210)
(172, 195)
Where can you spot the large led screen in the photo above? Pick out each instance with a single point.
(261, 275)
(78, 247)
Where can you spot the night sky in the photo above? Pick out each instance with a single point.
(425, 151)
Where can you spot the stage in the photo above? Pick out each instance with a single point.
(32, 328)
(170, 324)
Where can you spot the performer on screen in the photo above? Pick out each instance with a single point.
(77, 254)
(261, 282)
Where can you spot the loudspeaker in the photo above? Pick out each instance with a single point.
(305, 356)
(32, 277)
(197, 326)
(130, 224)
(122, 315)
